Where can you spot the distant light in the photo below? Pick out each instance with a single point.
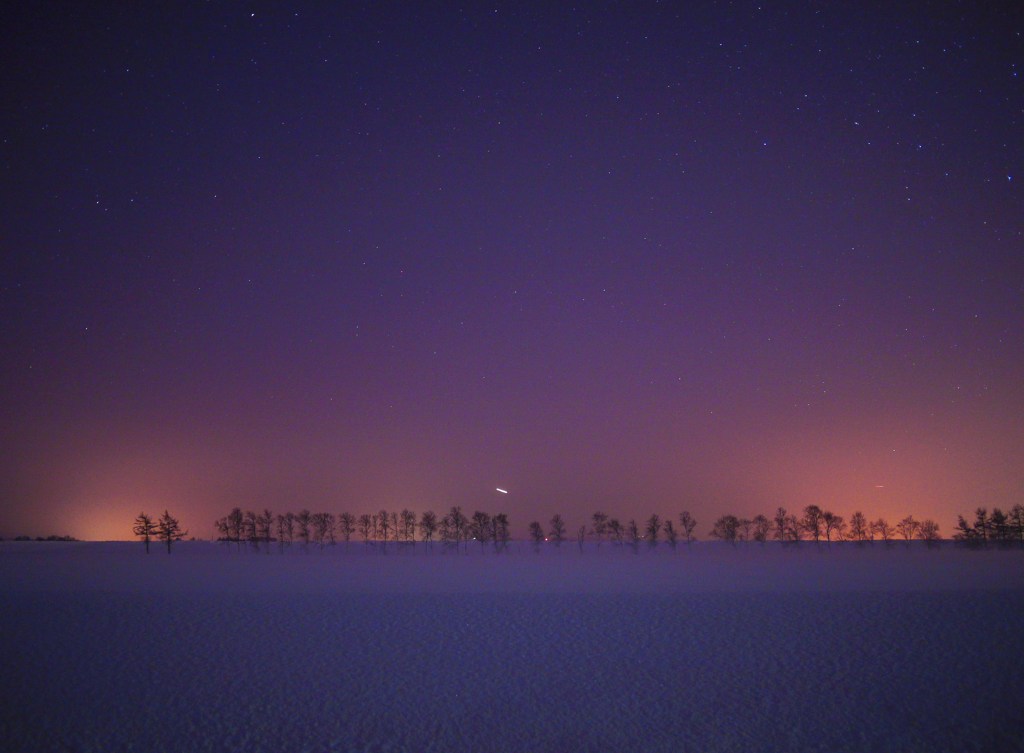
(501, 490)
(879, 486)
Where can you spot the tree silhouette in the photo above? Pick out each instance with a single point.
(428, 526)
(145, 528)
(726, 528)
(250, 530)
(687, 525)
(670, 533)
(615, 530)
(323, 527)
(500, 531)
(859, 527)
(1016, 520)
(882, 529)
(536, 535)
(384, 525)
(264, 527)
(408, 525)
(794, 529)
(285, 529)
(303, 520)
(981, 526)
(780, 524)
(480, 527)
(762, 527)
(346, 526)
(235, 525)
(581, 535)
(928, 532)
(834, 525)
(459, 525)
(999, 526)
(365, 527)
(633, 534)
(168, 530)
(907, 528)
(600, 526)
(557, 532)
(812, 522)
(653, 528)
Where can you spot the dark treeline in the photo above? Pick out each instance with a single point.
(455, 530)
(992, 529)
(165, 529)
(817, 525)
(320, 529)
(51, 537)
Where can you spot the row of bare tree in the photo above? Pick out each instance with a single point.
(997, 528)
(166, 528)
(324, 528)
(455, 529)
(816, 524)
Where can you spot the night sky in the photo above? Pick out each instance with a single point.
(620, 256)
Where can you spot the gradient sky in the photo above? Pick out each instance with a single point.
(622, 256)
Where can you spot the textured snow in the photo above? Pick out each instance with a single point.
(713, 648)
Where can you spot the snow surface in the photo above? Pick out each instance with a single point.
(711, 648)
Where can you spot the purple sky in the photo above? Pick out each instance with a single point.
(622, 257)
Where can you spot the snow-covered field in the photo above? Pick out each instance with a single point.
(714, 648)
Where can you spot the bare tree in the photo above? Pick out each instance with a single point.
(251, 529)
(536, 534)
(384, 525)
(670, 533)
(408, 525)
(168, 530)
(834, 525)
(144, 528)
(459, 524)
(726, 528)
(303, 520)
(428, 526)
(882, 529)
(633, 535)
(366, 526)
(600, 526)
(265, 527)
(285, 529)
(393, 519)
(907, 528)
(652, 529)
(780, 524)
(500, 531)
(323, 527)
(746, 525)
(557, 532)
(480, 527)
(762, 527)
(235, 524)
(581, 535)
(346, 526)
(615, 530)
(928, 532)
(687, 525)
(859, 529)
(812, 522)
(794, 530)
